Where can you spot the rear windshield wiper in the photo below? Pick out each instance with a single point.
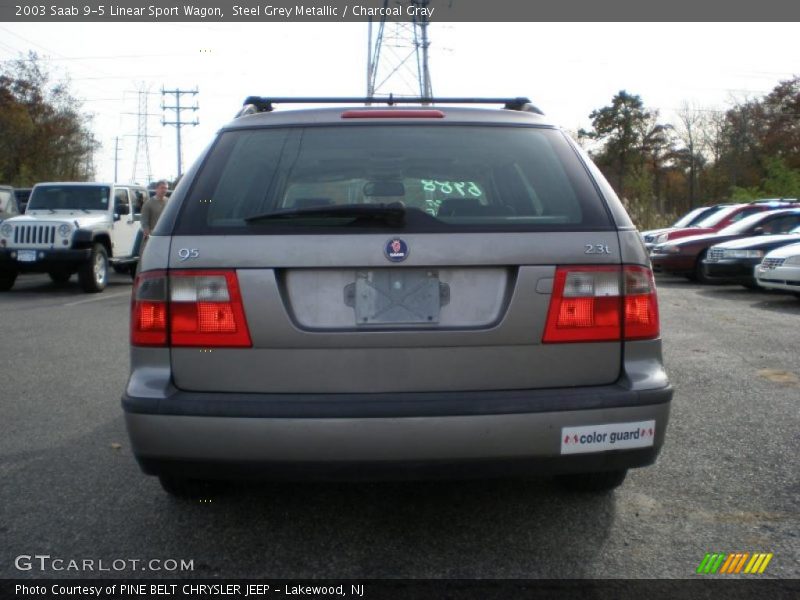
(393, 214)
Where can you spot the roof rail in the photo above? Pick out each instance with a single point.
(257, 104)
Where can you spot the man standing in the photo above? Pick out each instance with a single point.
(151, 212)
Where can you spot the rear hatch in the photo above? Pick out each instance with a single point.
(378, 257)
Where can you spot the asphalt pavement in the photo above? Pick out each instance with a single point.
(726, 481)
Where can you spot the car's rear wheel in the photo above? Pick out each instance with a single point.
(93, 276)
(7, 281)
(190, 489)
(59, 277)
(603, 481)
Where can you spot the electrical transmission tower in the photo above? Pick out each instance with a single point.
(142, 145)
(177, 122)
(397, 59)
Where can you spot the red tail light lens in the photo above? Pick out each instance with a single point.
(641, 304)
(149, 309)
(602, 303)
(205, 309)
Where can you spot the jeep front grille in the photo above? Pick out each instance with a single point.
(34, 235)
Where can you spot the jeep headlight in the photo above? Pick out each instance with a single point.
(661, 238)
(64, 230)
(6, 230)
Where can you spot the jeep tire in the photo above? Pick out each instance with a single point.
(7, 280)
(93, 275)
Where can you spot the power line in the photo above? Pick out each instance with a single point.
(177, 122)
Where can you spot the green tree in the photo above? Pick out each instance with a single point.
(621, 128)
(44, 133)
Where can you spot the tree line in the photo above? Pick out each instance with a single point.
(660, 170)
(44, 133)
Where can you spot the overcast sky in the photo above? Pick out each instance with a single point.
(567, 69)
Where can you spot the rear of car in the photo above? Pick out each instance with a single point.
(8, 203)
(392, 290)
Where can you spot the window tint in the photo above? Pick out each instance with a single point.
(121, 198)
(458, 177)
(139, 198)
(69, 197)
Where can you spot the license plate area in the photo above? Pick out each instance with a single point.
(396, 297)
(26, 255)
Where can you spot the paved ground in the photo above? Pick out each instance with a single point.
(726, 481)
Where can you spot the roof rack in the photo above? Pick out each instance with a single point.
(257, 104)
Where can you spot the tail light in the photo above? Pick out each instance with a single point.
(188, 308)
(601, 304)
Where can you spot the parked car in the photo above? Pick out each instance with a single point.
(735, 261)
(780, 270)
(8, 203)
(690, 219)
(73, 227)
(372, 290)
(721, 219)
(23, 195)
(685, 256)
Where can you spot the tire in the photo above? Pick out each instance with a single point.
(189, 489)
(59, 277)
(93, 276)
(7, 281)
(603, 481)
(699, 273)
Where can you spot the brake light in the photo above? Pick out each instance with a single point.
(149, 309)
(393, 114)
(602, 303)
(205, 309)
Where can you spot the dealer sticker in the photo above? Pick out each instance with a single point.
(609, 436)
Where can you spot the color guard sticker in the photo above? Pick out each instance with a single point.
(610, 436)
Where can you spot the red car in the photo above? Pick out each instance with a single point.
(719, 220)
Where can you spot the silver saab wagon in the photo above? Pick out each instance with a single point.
(378, 290)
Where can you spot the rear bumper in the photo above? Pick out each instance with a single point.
(731, 270)
(46, 260)
(325, 436)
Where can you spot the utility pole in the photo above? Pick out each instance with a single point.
(116, 157)
(177, 122)
(397, 61)
(142, 144)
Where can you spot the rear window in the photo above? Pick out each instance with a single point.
(449, 178)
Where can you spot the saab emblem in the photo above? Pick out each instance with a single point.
(396, 250)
